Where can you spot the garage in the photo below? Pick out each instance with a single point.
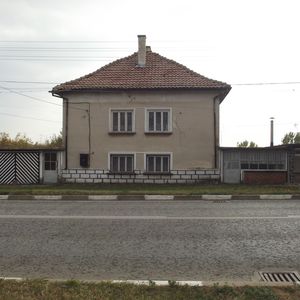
(30, 166)
(254, 165)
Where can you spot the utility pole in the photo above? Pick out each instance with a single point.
(272, 132)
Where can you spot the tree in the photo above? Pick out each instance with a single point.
(4, 139)
(55, 141)
(246, 144)
(291, 138)
(22, 141)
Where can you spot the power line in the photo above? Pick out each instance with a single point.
(35, 82)
(25, 117)
(40, 100)
(24, 91)
(267, 83)
(14, 48)
(181, 42)
(30, 88)
(21, 48)
(53, 56)
(30, 97)
(67, 42)
(45, 60)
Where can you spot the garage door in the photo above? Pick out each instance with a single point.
(19, 167)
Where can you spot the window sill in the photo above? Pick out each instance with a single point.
(157, 173)
(121, 173)
(121, 132)
(158, 132)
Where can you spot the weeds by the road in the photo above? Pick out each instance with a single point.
(42, 289)
(138, 189)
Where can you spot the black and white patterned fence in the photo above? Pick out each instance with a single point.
(7, 167)
(19, 167)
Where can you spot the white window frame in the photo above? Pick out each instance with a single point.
(119, 110)
(162, 110)
(170, 154)
(121, 153)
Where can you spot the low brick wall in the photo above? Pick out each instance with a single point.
(176, 176)
(265, 177)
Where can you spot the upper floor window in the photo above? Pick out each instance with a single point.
(122, 121)
(158, 120)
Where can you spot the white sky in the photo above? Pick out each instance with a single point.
(235, 41)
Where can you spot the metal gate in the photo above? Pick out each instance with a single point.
(231, 167)
(19, 167)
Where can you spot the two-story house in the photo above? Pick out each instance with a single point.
(143, 118)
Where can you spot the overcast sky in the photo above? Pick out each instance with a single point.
(236, 41)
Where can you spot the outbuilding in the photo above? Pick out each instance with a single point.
(30, 166)
(269, 165)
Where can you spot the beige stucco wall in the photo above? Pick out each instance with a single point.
(191, 143)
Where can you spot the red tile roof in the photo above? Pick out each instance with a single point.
(159, 73)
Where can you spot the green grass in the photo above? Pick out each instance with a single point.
(139, 189)
(42, 289)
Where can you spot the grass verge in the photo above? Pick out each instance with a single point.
(138, 189)
(42, 289)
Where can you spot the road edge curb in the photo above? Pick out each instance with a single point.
(149, 197)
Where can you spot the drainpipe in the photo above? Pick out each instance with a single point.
(66, 127)
(216, 131)
(66, 132)
(89, 115)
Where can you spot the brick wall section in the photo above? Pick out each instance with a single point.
(265, 177)
(176, 177)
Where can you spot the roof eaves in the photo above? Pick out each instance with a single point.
(101, 89)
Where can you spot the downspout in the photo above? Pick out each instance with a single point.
(66, 129)
(219, 98)
(215, 135)
(66, 132)
(90, 147)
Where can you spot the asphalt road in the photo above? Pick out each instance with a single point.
(178, 240)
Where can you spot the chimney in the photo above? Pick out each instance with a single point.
(272, 132)
(142, 51)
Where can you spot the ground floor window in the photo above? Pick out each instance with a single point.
(156, 163)
(121, 163)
